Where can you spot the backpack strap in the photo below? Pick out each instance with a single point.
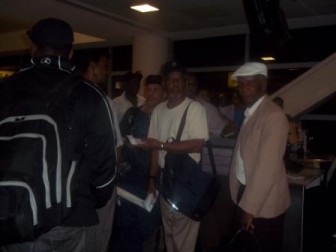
(211, 157)
(67, 85)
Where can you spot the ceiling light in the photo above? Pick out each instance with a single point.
(144, 8)
(268, 58)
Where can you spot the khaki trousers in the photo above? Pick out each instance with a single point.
(180, 232)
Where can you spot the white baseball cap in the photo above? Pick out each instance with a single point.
(250, 69)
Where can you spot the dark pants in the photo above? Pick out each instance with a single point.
(133, 226)
(268, 232)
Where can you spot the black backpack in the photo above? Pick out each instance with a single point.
(38, 175)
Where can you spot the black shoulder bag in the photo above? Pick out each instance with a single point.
(184, 185)
(243, 241)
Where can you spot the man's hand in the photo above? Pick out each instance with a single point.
(229, 129)
(247, 221)
(149, 144)
(151, 187)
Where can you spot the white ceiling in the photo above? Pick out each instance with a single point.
(117, 24)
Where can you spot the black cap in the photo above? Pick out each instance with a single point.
(173, 66)
(153, 79)
(130, 76)
(51, 32)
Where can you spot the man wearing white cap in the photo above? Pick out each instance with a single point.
(258, 181)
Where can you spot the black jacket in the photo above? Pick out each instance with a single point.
(93, 130)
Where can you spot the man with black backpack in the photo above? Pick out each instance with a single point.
(57, 149)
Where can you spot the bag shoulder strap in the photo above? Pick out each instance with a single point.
(68, 84)
(182, 123)
(211, 157)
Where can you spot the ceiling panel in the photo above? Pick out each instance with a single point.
(115, 22)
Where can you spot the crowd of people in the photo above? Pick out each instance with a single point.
(121, 144)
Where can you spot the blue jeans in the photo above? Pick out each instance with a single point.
(60, 239)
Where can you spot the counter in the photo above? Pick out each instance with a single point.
(298, 184)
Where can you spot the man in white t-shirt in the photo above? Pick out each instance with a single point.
(180, 232)
(129, 98)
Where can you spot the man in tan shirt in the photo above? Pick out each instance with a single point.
(258, 181)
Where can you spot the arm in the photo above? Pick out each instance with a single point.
(247, 221)
(186, 146)
(99, 155)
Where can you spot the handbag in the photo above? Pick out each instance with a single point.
(184, 185)
(243, 241)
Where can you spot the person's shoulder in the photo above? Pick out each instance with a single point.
(161, 105)
(270, 109)
(269, 106)
(88, 91)
(141, 99)
(159, 108)
(108, 98)
(6, 80)
(194, 105)
(209, 105)
(4, 84)
(118, 99)
(132, 111)
(22, 75)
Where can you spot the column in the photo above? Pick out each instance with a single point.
(149, 53)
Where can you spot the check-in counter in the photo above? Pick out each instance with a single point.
(298, 184)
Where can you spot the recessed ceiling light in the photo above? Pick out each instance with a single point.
(268, 58)
(144, 8)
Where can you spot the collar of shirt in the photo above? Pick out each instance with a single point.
(249, 111)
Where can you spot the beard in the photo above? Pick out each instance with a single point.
(175, 95)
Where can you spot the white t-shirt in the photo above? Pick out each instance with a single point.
(121, 105)
(216, 123)
(166, 121)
